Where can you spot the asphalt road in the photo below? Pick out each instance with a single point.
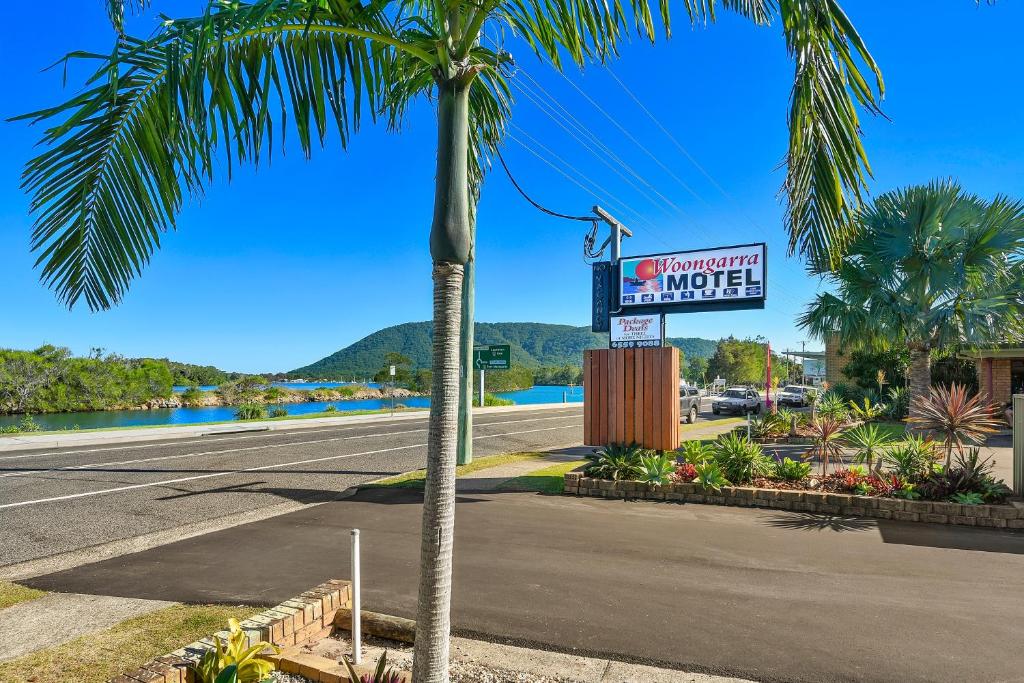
(56, 501)
(758, 594)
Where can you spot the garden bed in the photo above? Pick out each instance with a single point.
(1003, 516)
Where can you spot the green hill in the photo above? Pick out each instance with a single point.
(533, 345)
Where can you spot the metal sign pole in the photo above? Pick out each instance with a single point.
(481, 387)
(357, 645)
(1018, 444)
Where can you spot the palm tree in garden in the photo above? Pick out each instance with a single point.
(146, 132)
(930, 267)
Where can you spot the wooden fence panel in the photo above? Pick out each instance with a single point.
(631, 395)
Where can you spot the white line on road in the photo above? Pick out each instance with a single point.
(137, 461)
(261, 468)
(262, 435)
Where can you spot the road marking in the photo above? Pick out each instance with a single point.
(261, 468)
(72, 468)
(282, 432)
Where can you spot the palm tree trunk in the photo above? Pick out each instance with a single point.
(449, 248)
(919, 377)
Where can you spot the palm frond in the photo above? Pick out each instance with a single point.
(123, 154)
(827, 166)
(116, 9)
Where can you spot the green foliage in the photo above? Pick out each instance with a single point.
(273, 394)
(422, 381)
(492, 400)
(382, 674)
(970, 498)
(251, 411)
(710, 476)
(912, 458)
(898, 406)
(234, 660)
(741, 460)
(616, 462)
(744, 362)
(869, 442)
(505, 380)
(952, 369)
(548, 350)
(791, 470)
(656, 468)
(49, 379)
(278, 411)
(867, 411)
(769, 425)
(695, 452)
(862, 366)
(696, 370)
(930, 267)
(192, 397)
(245, 389)
(186, 374)
(330, 408)
(831, 406)
(403, 369)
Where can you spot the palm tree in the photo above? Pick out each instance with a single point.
(157, 113)
(929, 267)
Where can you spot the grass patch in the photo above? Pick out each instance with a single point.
(547, 480)
(896, 431)
(100, 656)
(415, 479)
(12, 594)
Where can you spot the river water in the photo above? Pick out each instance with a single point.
(169, 416)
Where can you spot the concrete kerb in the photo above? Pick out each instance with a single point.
(99, 436)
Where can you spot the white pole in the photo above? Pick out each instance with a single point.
(357, 645)
(481, 387)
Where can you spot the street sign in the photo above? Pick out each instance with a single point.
(601, 299)
(492, 357)
(720, 278)
(391, 371)
(637, 331)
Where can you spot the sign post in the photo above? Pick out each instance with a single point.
(391, 371)
(490, 357)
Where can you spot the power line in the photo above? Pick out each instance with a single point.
(589, 219)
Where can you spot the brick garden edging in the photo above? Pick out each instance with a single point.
(303, 619)
(1010, 516)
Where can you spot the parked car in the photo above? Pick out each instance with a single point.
(793, 395)
(689, 403)
(737, 401)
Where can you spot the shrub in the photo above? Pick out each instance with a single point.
(791, 470)
(866, 411)
(869, 442)
(234, 655)
(9, 429)
(740, 459)
(272, 393)
(710, 476)
(972, 498)
(912, 458)
(330, 408)
(831, 406)
(616, 462)
(278, 411)
(382, 674)
(769, 425)
(696, 452)
(826, 435)
(968, 475)
(251, 411)
(787, 416)
(492, 400)
(193, 396)
(27, 424)
(899, 403)
(656, 468)
(685, 472)
(956, 415)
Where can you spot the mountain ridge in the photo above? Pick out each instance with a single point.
(533, 345)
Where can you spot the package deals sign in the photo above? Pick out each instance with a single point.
(636, 331)
(724, 278)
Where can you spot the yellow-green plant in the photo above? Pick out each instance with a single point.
(236, 652)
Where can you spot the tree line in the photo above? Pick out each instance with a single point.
(49, 379)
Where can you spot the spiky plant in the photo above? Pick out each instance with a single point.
(870, 443)
(825, 431)
(959, 417)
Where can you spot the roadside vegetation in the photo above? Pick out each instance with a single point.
(13, 593)
(99, 657)
(416, 478)
(546, 480)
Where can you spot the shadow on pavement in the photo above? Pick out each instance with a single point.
(952, 537)
(807, 521)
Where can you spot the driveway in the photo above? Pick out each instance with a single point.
(757, 594)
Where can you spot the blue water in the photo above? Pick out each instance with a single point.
(290, 385)
(169, 416)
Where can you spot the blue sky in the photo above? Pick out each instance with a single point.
(280, 268)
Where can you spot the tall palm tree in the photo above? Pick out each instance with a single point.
(930, 267)
(121, 156)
